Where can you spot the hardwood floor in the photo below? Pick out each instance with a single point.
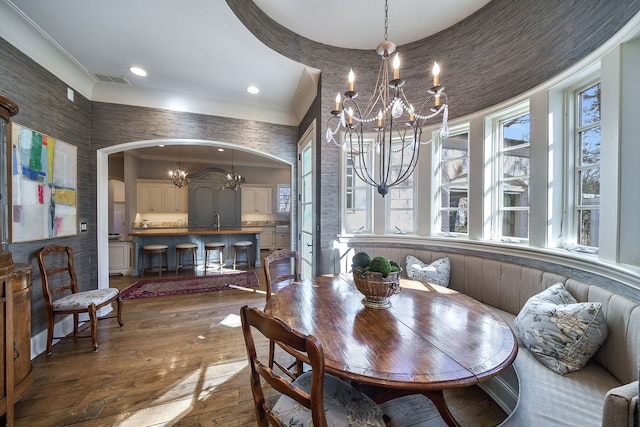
(181, 361)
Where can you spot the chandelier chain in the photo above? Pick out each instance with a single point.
(386, 20)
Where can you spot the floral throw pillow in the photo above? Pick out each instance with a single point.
(560, 332)
(437, 272)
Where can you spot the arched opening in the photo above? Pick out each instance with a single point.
(204, 152)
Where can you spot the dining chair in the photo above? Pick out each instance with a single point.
(61, 295)
(315, 395)
(281, 267)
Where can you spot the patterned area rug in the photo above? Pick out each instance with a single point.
(188, 285)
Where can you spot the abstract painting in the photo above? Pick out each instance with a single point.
(43, 185)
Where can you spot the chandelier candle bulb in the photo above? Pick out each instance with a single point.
(352, 79)
(350, 114)
(437, 101)
(380, 118)
(436, 74)
(396, 67)
(411, 117)
(338, 102)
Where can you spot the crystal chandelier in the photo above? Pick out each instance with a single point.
(233, 179)
(392, 123)
(178, 176)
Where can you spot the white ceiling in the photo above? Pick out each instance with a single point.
(198, 55)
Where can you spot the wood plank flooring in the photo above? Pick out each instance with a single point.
(181, 361)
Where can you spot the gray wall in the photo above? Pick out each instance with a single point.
(504, 49)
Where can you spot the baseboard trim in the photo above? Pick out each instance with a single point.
(61, 328)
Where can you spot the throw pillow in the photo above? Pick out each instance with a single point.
(560, 332)
(437, 272)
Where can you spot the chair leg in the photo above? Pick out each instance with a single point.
(272, 350)
(50, 327)
(93, 318)
(76, 322)
(119, 304)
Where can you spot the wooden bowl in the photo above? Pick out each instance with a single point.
(375, 288)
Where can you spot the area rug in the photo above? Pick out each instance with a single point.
(189, 285)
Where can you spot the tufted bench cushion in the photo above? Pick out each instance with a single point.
(603, 393)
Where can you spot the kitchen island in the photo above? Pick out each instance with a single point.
(200, 236)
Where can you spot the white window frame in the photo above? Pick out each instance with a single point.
(453, 131)
(367, 228)
(495, 122)
(572, 180)
(390, 227)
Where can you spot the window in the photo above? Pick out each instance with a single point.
(454, 181)
(400, 198)
(587, 165)
(357, 201)
(284, 198)
(513, 173)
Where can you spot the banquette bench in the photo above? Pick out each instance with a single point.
(603, 393)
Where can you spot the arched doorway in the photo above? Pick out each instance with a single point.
(102, 179)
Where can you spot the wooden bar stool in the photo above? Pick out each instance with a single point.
(212, 247)
(243, 245)
(152, 250)
(181, 249)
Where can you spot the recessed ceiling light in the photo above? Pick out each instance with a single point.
(161, 145)
(253, 90)
(138, 71)
(220, 149)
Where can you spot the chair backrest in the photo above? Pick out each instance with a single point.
(281, 267)
(57, 272)
(309, 346)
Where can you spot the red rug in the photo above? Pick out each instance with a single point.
(188, 285)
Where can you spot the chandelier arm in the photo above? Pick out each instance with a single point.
(358, 166)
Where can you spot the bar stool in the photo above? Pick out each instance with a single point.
(181, 249)
(152, 250)
(212, 247)
(243, 245)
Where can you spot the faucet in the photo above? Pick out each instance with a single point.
(217, 220)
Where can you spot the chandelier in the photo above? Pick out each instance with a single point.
(389, 124)
(178, 175)
(233, 179)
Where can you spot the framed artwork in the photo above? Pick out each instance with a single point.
(43, 186)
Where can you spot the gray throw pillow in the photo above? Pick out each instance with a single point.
(560, 332)
(437, 272)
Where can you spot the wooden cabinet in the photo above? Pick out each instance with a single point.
(256, 200)
(120, 257)
(161, 197)
(208, 197)
(15, 317)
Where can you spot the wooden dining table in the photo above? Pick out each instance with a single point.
(430, 339)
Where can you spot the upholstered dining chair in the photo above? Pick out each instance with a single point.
(315, 395)
(61, 295)
(281, 267)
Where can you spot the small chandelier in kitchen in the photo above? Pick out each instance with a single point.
(393, 121)
(178, 176)
(233, 179)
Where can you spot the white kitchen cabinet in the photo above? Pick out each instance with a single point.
(161, 197)
(150, 197)
(257, 200)
(283, 240)
(120, 257)
(175, 199)
(267, 240)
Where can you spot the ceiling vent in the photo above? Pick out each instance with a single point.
(112, 79)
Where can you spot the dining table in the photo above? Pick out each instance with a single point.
(431, 338)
